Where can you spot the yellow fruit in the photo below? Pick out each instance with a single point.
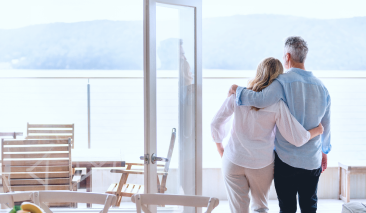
(31, 207)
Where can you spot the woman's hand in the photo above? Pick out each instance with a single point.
(316, 131)
(220, 149)
(320, 129)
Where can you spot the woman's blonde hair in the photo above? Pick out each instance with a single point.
(267, 71)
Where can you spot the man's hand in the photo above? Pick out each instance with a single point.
(220, 149)
(232, 90)
(324, 162)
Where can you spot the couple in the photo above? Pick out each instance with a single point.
(280, 131)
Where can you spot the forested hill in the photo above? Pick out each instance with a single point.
(236, 42)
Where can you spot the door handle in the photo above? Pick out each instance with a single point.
(154, 158)
(145, 158)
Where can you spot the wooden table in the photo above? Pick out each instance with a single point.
(345, 173)
(95, 158)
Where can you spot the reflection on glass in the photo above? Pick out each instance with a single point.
(67, 42)
(176, 95)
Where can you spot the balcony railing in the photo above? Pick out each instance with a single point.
(115, 112)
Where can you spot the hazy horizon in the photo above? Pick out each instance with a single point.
(20, 13)
(203, 19)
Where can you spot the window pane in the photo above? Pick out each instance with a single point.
(175, 43)
(72, 63)
(238, 35)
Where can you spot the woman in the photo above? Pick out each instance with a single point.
(248, 159)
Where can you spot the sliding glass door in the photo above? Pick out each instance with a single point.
(172, 31)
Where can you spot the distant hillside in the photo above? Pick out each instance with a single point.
(237, 42)
(240, 42)
(82, 45)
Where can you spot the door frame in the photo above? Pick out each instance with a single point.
(150, 118)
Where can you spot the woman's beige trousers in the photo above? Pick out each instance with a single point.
(239, 181)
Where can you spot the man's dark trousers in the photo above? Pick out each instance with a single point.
(290, 181)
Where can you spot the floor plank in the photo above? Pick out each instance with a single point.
(324, 206)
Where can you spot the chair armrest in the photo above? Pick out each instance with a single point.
(76, 179)
(343, 166)
(141, 164)
(123, 171)
(77, 176)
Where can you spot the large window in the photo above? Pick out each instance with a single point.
(79, 64)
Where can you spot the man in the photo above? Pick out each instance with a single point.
(297, 169)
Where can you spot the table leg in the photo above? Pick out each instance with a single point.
(89, 183)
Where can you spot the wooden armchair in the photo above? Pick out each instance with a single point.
(36, 165)
(51, 131)
(29, 165)
(128, 190)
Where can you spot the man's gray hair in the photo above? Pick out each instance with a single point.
(297, 47)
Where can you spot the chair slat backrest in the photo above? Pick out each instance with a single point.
(170, 151)
(142, 200)
(34, 165)
(51, 131)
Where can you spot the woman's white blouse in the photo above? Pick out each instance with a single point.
(251, 142)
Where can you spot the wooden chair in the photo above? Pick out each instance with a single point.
(29, 165)
(124, 189)
(78, 197)
(41, 198)
(8, 200)
(12, 134)
(142, 200)
(345, 173)
(51, 131)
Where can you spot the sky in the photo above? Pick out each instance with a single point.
(20, 13)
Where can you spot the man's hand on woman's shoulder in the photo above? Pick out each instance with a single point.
(232, 90)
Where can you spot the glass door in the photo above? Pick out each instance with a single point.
(173, 99)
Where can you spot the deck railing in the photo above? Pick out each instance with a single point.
(115, 111)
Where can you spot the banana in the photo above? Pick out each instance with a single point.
(23, 211)
(31, 207)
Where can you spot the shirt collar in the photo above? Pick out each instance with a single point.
(301, 72)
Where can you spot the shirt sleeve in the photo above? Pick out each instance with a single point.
(289, 127)
(267, 97)
(220, 125)
(325, 137)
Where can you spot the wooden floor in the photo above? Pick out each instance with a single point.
(324, 206)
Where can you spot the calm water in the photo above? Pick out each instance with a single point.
(117, 111)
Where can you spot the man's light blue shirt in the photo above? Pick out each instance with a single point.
(309, 102)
